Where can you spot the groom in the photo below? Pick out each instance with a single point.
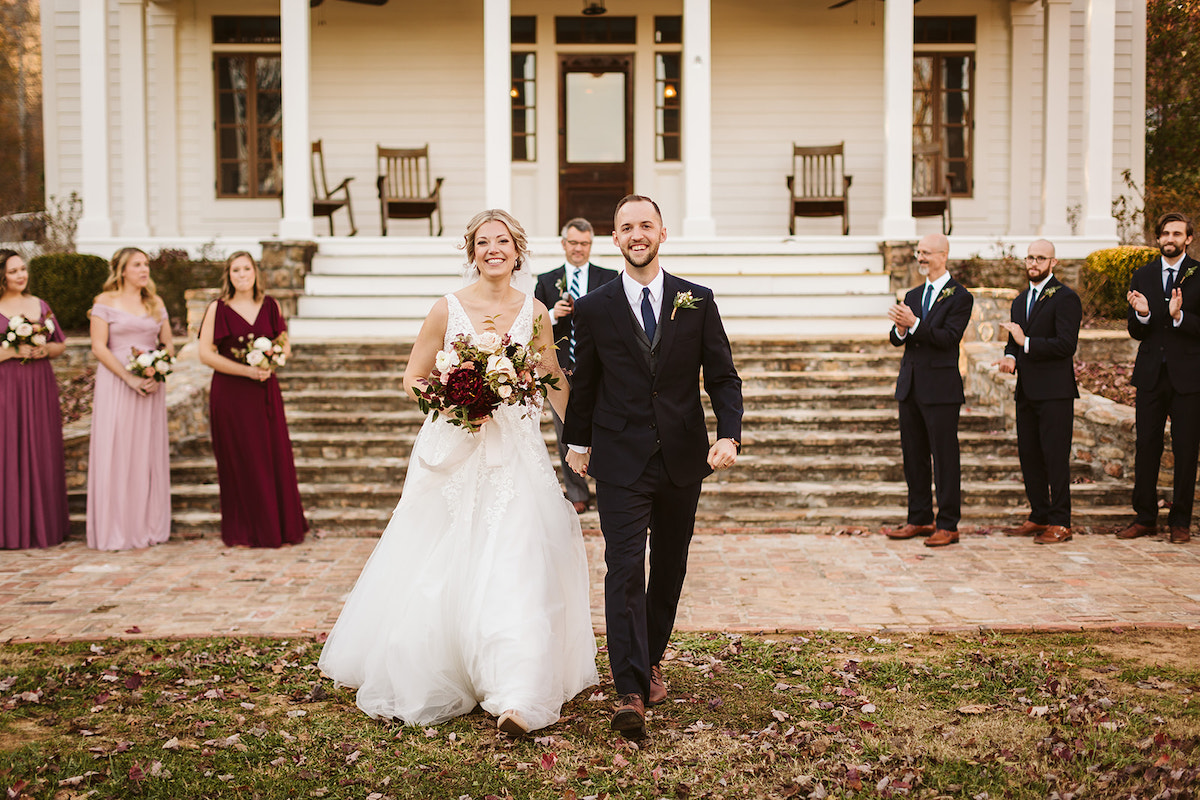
(635, 424)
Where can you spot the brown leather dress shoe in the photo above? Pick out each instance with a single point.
(942, 538)
(1027, 528)
(630, 717)
(909, 531)
(1055, 534)
(580, 506)
(1137, 529)
(1179, 535)
(658, 689)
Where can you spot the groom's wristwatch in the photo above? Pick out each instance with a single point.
(736, 444)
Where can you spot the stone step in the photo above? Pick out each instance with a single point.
(392, 470)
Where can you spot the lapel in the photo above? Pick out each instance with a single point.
(1038, 303)
(936, 303)
(666, 325)
(623, 321)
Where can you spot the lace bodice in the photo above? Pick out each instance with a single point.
(458, 322)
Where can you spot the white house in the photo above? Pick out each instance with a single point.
(160, 114)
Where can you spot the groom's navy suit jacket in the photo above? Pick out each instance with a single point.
(630, 399)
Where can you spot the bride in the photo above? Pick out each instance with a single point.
(477, 592)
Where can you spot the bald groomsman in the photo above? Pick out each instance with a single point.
(1042, 338)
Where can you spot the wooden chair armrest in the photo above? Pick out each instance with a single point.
(791, 181)
(379, 184)
(846, 179)
(343, 186)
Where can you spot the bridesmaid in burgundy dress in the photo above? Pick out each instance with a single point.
(33, 486)
(260, 498)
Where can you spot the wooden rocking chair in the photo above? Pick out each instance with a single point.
(931, 184)
(818, 185)
(325, 200)
(406, 190)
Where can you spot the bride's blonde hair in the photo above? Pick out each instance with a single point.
(509, 221)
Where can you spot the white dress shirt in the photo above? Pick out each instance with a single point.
(633, 293)
(1162, 281)
(938, 285)
(568, 271)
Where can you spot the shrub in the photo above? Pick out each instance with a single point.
(174, 273)
(1105, 278)
(68, 282)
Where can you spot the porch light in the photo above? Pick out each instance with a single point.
(669, 91)
(593, 8)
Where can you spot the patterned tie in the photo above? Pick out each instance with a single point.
(1170, 283)
(573, 291)
(925, 305)
(648, 314)
(1032, 300)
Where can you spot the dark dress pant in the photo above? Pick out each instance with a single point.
(1044, 430)
(929, 432)
(1152, 408)
(641, 615)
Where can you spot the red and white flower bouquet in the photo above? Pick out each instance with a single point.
(157, 364)
(262, 352)
(22, 331)
(480, 373)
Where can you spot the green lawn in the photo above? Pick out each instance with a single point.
(1062, 715)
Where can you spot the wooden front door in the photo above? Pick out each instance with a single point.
(595, 137)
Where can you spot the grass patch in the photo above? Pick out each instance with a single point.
(825, 715)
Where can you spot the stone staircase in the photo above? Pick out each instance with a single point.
(821, 448)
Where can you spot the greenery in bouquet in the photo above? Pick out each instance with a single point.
(478, 374)
(157, 364)
(22, 332)
(261, 352)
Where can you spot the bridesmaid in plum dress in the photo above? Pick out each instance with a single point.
(260, 498)
(129, 480)
(33, 486)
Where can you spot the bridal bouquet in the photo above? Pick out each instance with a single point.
(156, 364)
(262, 352)
(26, 332)
(480, 373)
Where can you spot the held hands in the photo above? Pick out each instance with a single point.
(723, 454)
(1014, 330)
(578, 462)
(902, 317)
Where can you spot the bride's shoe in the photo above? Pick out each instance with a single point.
(512, 723)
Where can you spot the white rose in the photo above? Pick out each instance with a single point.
(12, 337)
(255, 357)
(446, 359)
(16, 321)
(39, 340)
(145, 360)
(505, 392)
(281, 361)
(24, 329)
(50, 324)
(262, 343)
(502, 365)
(488, 342)
(164, 367)
(5, 344)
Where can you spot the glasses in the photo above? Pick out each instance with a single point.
(574, 243)
(929, 252)
(1037, 259)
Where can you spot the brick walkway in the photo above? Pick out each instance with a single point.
(791, 582)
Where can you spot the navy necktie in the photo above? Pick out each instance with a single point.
(648, 315)
(925, 305)
(1032, 300)
(1170, 283)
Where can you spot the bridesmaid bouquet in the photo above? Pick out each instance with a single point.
(26, 332)
(480, 373)
(262, 352)
(156, 364)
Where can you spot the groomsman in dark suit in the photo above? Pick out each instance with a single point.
(1042, 338)
(930, 324)
(635, 424)
(1164, 315)
(558, 290)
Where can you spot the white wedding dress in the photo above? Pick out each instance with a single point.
(477, 592)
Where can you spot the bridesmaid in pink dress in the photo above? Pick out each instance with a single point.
(33, 485)
(129, 481)
(260, 499)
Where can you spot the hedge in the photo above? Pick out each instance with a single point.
(68, 282)
(1105, 279)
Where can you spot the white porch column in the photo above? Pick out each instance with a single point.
(697, 119)
(1022, 78)
(1099, 72)
(164, 167)
(94, 220)
(297, 222)
(497, 104)
(897, 222)
(135, 204)
(1056, 103)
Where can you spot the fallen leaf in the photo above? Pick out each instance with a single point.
(974, 709)
(134, 629)
(171, 744)
(549, 760)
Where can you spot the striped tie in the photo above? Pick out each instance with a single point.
(573, 290)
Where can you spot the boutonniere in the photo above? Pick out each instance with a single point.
(561, 284)
(1186, 275)
(1048, 293)
(683, 300)
(947, 292)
